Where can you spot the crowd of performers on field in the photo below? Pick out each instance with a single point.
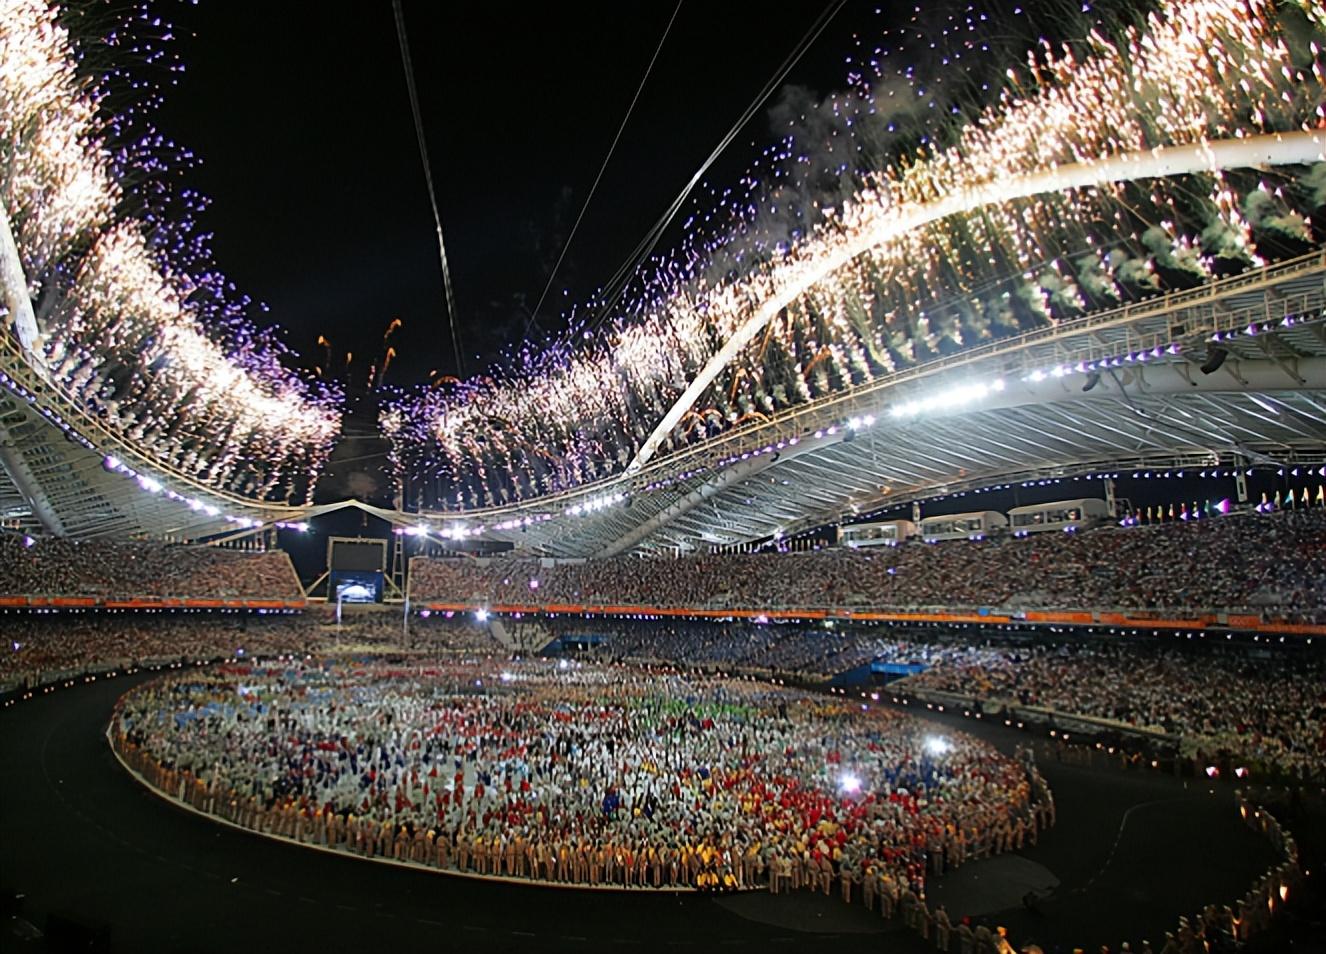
(586, 775)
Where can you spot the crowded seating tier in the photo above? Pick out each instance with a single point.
(120, 569)
(1272, 565)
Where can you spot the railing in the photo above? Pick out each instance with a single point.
(1181, 618)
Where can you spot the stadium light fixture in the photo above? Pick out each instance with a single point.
(937, 745)
(1215, 357)
(947, 400)
(1097, 365)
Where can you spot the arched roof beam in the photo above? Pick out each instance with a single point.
(1288, 148)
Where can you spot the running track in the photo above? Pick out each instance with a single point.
(79, 837)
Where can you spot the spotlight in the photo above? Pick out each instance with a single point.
(1215, 357)
(1092, 380)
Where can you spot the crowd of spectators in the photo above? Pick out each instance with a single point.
(121, 569)
(809, 651)
(1268, 708)
(1270, 564)
(42, 647)
(585, 774)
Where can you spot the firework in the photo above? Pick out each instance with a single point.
(1099, 170)
(133, 326)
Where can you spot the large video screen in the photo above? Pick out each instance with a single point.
(356, 586)
(358, 555)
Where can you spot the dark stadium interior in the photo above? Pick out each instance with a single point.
(830, 476)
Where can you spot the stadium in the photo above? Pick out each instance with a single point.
(926, 552)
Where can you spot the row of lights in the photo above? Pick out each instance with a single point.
(1262, 327)
(939, 401)
(772, 448)
(679, 478)
(942, 400)
(114, 465)
(595, 504)
(1160, 352)
(947, 400)
(1102, 364)
(153, 486)
(457, 531)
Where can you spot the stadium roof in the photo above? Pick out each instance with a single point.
(1115, 389)
(1012, 410)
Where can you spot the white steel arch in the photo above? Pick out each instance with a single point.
(1276, 149)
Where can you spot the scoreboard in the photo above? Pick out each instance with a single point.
(356, 569)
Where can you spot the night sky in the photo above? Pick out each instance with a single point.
(301, 116)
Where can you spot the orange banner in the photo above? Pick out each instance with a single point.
(1299, 629)
(1078, 618)
(1244, 622)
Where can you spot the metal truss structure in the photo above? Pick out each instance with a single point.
(55, 478)
(1146, 401)
(1113, 389)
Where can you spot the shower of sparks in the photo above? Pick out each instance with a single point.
(815, 239)
(133, 323)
